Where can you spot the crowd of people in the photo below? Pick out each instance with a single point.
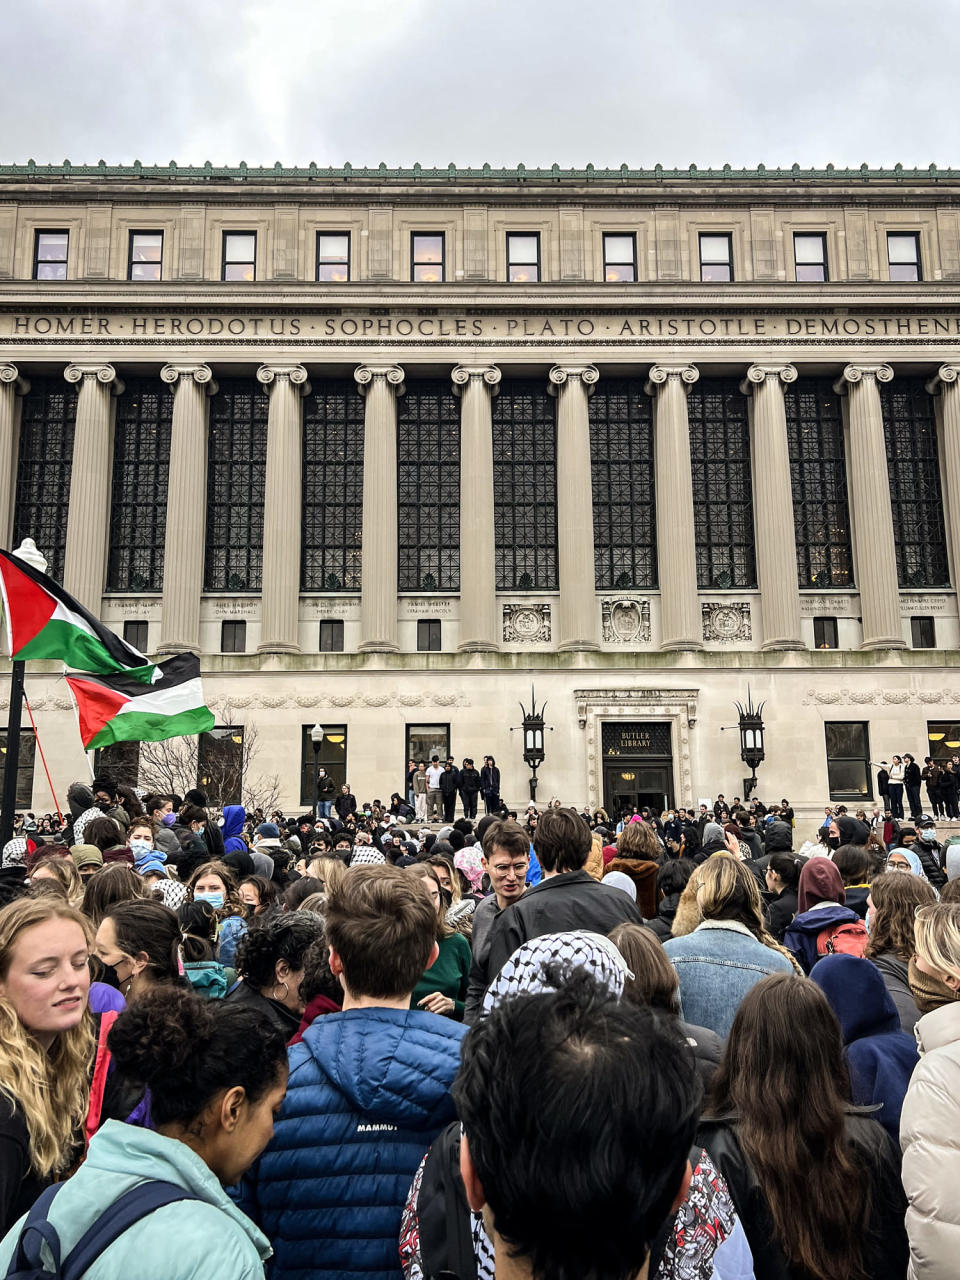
(547, 1044)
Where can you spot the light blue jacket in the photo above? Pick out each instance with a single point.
(187, 1240)
(717, 965)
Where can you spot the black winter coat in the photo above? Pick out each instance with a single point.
(469, 782)
(490, 780)
(662, 922)
(886, 1251)
(345, 804)
(781, 911)
(449, 782)
(911, 775)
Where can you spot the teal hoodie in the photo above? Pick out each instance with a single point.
(187, 1240)
(209, 978)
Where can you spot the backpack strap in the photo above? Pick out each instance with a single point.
(34, 1233)
(116, 1219)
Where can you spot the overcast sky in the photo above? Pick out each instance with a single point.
(469, 81)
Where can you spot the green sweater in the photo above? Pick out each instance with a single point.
(448, 975)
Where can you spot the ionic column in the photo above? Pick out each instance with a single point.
(280, 608)
(947, 383)
(381, 384)
(680, 623)
(12, 387)
(773, 507)
(872, 515)
(577, 619)
(476, 385)
(186, 532)
(88, 512)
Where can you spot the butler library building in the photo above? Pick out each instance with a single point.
(389, 447)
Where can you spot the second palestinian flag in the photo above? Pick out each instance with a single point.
(117, 708)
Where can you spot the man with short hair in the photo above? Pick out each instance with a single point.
(567, 897)
(564, 1067)
(434, 797)
(369, 1090)
(506, 861)
(469, 788)
(449, 782)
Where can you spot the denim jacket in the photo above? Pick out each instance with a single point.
(717, 965)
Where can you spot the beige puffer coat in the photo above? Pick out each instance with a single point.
(930, 1140)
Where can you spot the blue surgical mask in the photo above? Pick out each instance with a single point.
(928, 836)
(215, 899)
(140, 847)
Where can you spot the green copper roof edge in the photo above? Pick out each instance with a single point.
(521, 173)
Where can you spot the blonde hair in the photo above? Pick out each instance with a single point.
(729, 891)
(52, 1087)
(65, 874)
(328, 869)
(937, 936)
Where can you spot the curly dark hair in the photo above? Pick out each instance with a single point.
(279, 937)
(186, 1050)
(317, 977)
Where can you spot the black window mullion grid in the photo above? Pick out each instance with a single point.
(708, 260)
(332, 486)
(818, 477)
(518, 235)
(722, 485)
(416, 261)
(246, 262)
(236, 477)
(847, 745)
(904, 267)
(622, 478)
(46, 259)
(913, 472)
(132, 259)
(810, 269)
(525, 486)
(613, 267)
(141, 460)
(44, 468)
(428, 487)
(343, 261)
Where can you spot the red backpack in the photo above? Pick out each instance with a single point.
(848, 939)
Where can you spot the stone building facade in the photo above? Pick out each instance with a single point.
(388, 447)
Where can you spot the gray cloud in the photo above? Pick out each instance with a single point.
(471, 81)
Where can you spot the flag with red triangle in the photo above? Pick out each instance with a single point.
(44, 621)
(118, 708)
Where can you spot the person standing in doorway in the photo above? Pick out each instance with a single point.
(490, 784)
(419, 788)
(883, 783)
(895, 786)
(449, 784)
(326, 792)
(434, 797)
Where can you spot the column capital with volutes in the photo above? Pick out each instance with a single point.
(269, 375)
(9, 373)
(366, 374)
(758, 373)
(854, 373)
(587, 374)
(105, 374)
(488, 374)
(685, 374)
(201, 374)
(945, 376)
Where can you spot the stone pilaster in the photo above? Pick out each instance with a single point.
(578, 625)
(947, 383)
(479, 626)
(186, 534)
(280, 608)
(12, 387)
(680, 622)
(88, 512)
(872, 515)
(773, 507)
(381, 384)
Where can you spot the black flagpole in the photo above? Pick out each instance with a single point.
(11, 764)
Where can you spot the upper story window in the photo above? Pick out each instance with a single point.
(146, 255)
(619, 258)
(427, 256)
(523, 257)
(333, 256)
(50, 255)
(716, 257)
(903, 255)
(239, 255)
(810, 256)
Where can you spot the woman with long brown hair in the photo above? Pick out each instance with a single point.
(638, 857)
(46, 1046)
(891, 909)
(443, 987)
(815, 1180)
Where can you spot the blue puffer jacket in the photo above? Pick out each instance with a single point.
(369, 1090)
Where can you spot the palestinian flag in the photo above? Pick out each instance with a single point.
(117, 708)
(43, 621)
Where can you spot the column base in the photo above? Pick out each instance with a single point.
(786, 645)
(885, 642)
(478, 646)
(278, 646)
(682, 646)
(579, 646)
(378, 646)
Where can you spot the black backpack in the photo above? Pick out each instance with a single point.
(26, 1262)
(446, 1223)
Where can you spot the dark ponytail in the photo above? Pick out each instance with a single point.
(788, 867)
(146, 925)
(186, 1050)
